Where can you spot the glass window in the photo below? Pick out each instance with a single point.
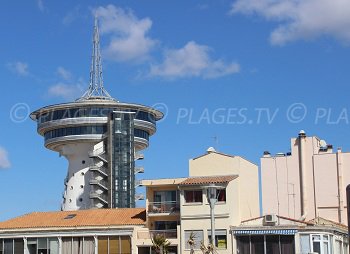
(221, 194)
(193, 196)
(18, 246)
(103, 245)
(125, 243)
(257, 244)
(305, 244)
(220, 238)
(243, 244)
(287, 244)
(196, 239)
(165, 225)
(53, 245)
(272, 244)
(345, 245)
(114, 245)
(8, 246)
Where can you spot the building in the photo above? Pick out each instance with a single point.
(306, 183)
(105, 231)
(280, 235)
(101, 138)
(180, 207)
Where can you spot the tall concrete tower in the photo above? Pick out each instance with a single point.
(101, 139)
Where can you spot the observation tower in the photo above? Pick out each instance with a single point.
(101, 139)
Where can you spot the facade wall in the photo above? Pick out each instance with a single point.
(325, 181)
(214, 163)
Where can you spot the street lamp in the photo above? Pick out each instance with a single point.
(212, 196)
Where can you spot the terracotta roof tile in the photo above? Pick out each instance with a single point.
(208, 180)
(82, 218)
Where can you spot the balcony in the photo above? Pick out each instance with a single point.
(148, 234)
(102, 197)
(167, 207)
(101, 170)
(102, 183)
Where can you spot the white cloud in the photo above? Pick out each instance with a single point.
(193, 60)
(66, 91)
(72, 15)
(19, 68)
(40, 5)
(64, 73)
(129, 40)
(4, 160)
(301, 19)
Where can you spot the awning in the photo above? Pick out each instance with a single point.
(265, 232)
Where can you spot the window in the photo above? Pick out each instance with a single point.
(165, 225)
(220, 238)
(257, 244)
(305, 244)
(221, 194)
(275, 244)
(272, 244)
(197, 236)
(8, 246)
(73, 245)
(193, 196)
(42, 245)
(114, 245)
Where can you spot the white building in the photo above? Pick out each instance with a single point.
(280, 235)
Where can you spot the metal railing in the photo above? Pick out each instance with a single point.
(103, 197)
(148, 234)
(99, 182)
(163, 207)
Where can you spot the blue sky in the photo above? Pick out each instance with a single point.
(251, 73)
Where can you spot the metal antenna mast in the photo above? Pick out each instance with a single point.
(96, 89)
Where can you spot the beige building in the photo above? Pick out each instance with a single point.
(308, 182)
(179, 207)
(104, 231)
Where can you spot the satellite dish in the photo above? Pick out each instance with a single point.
(323, 143)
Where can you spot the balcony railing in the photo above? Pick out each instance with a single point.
(163, 207)
(102, 197)
(148, 234)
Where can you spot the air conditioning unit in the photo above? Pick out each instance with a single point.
(270, 219)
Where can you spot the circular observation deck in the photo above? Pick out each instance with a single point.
(86, 121)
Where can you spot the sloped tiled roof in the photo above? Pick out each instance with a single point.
(326, 222)
(81, 218)
(200, 180)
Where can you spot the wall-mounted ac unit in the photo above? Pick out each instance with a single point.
(270, 219)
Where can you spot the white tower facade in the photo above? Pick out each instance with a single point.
(101, 138)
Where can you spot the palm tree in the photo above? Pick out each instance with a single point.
(160, 244)
(191, 242)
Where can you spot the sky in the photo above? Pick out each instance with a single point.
(243, 76)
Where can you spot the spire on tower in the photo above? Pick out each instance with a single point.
(96, 89)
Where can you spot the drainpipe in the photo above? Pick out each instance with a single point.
(302, 173)
(340, 185)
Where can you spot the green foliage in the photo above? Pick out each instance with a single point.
(160, 244)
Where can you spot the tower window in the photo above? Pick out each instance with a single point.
(83, 162)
